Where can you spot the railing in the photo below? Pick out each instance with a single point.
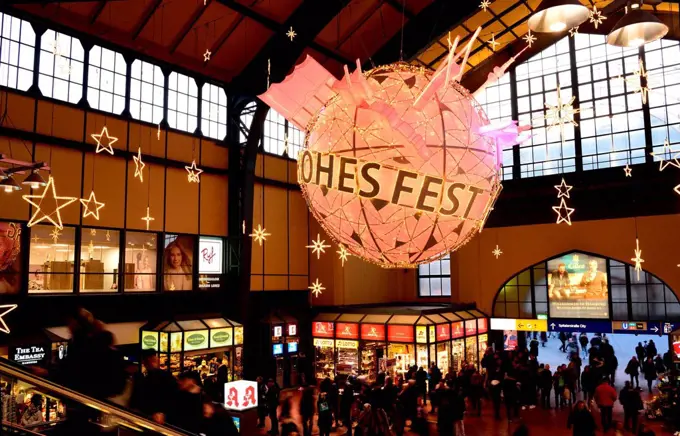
(111, 415)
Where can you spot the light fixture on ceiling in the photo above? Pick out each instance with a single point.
(634, 5)
(636, 28)
(34, 180)
(558, 15)
(9, 185)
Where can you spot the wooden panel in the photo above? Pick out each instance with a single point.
(292, 171)
(183, 148)
(213, 155)
(109, 188)
(181, 202)
(60, 121)
(12, 206)
(116, 128)
(259, 165)
(67, 171)
(20, 111)
(137, 194)
(299, 283)
(214, 205)
(276, 221)
(147, 138)
(276, 168)
(298, 231)
(275, 283)
(256, 283)
(258, 250)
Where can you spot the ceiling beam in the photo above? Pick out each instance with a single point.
(401, 8)
(281, 51)
(97, 11)
(148, 13)
(189, 25)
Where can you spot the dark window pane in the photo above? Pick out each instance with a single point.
(639, 312)
(618, 276)
(499, 310)
(525, 310)
(657, 311)
(634, 275)
(672, 312)
(638, 293)
(613, 262)
(670, 295)
(511, 293)
(501, 295)
(619, 293)
(652, 279)
(512, 311)
(655, 293)
(525, 293)
(539, 277)
(541, 308)
(524, 277)
(619, 311)
(541, 293)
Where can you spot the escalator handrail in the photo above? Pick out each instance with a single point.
(20, 428)
(13, 370)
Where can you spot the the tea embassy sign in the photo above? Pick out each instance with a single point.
(29, 355)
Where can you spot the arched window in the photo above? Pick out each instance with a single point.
(146, 92)
(280, 136)
(62, 60)
(621, 296)
(106, 80)
(214, 111)
(17, 48)
(182, 102)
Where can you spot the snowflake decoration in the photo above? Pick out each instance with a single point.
(560, 114)
(318, 246)
(484, 5)
(291, 34)
(529, 38)
(55, 234)
(493, 43)
(259, 234)
(638, 258)
(596, 17)
(497, 252)
(343, 254)
(635, 81)
(317, 288)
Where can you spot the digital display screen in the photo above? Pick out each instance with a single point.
(278, 349)
(237, 423)
(577, 287)
(292, 347)
(509, 340)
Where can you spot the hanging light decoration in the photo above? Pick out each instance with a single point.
(558, 15)
(34, 180)
(3, 175)
(638, 27)
(10, 185)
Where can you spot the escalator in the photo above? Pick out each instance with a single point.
(63, 411)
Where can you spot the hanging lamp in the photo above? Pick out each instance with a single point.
(554, 16)
(638, 27)
(10, 185)
(34, 180)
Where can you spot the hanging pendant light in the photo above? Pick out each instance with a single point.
(10, 185)
(638, 27)
(3, 175)
(34, 180)
(557, 16)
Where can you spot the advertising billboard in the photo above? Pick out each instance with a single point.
(577, 287)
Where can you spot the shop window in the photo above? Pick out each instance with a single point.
(99, 260)
(537, 80)
(146, 92)
(106, 80)
(61, 67)
(141, 254)
(182, 102)
(51, 259)
(214, 111)
(10, 257)
(17, 48)
(495, 100)
(663, 77)
(246, 119)
(612, 125)
(178, 259)
(434, 278)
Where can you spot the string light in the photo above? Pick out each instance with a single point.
(529, 38)
(667, 149)
(89, 209)
(638, 258)
(484, 5)
(6, 308)
(566, 218)
(148, 218)
(110, 141)
(318, 246)
(194, 173)
(50, 193)
(497, 252)
(55, 234)
(259, 234)
(628, 170)
(343, 254)
(291, 34)
(563, 189)
(596, 17)
(139, 165)
(316, 288)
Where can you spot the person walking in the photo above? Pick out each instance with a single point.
(458, 410)
(649, 369)
(445, 415)
(640, 352)
(307, 410)
(632, 403)
(545, 383)
(633, 370)
(563, 340)
(587, 384)
(272, 401)
(325, 415)
(346, 402)
(583, 340)
(581, 420)
(262, 401)
(659, 365)
(605, 397)
(511, 395)
(651, 349)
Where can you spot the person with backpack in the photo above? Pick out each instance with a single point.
(640, 352)
(325, 421)
(633, 370)
(630, 399)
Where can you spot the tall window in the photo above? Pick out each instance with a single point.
(51, 259)
(663, 77)
(61, 67)
(495, 101)
(99, 260)
(296, 140)
(106, 80)
(549, 151)
(182, 102)
(434, 278)
(612, 123)
(214, 111)
(274, 140)
(146, 92)
(17, 48)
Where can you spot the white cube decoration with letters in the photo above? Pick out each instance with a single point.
(240, 395)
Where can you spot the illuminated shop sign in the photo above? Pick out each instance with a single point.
(221, 337)
(197, 340)
(149, 340)
(347, 330)
(240, 395)
(29, 355)
(210, 262)
(322, 329)
(373, 332)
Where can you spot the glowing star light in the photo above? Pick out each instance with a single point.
(318, 246)
(343, 254)
(139, 165)
(148, 218)
(563, 189)
(317, 288)
(493, 43)
(4, 310)
(291, 33)
(596, 17)
(560, 114)
(485, 4)
(48, 205)
(529, 38)
(158, 132)
(259, 234)
(55, 234)
(563, 212)
(667, 152)
(194, 173)
(628, 170)
(638, 258)
(497, 252)
(206, 55)
(89, 208)
(573, 31)
(634, 81)
(110, 140)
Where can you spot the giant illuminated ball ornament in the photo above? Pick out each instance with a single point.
(395, 167)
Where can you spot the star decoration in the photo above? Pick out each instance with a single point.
(635, 81)
(5, 309)
(259, 234)
(318, 246)
(89, 210)
(563, 189)
(343, 254)
(638, 258)
(110, 141)
(139, 165)
(35, 239)
(291, 33)
(53, 205)
(194, 172)
(627, 169)
(147, 218)
(243, 226)
(317, 288)
(55, 234)
(573, 31)
(560, 114)
(529, 38)
(497, 252)
(158, 132)
(492, 42)
(677, 189)
(596, 17)
(667, 151)
(206, 55)
(566, 218)
(485, 4)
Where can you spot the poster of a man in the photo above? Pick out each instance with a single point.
(577, 287)
(560, 285)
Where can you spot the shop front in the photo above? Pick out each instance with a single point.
(284, 347)
(208, 346)
(392, 340)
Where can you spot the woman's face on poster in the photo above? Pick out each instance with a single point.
(175, 257)
(145, 262)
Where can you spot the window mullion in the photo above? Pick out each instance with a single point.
(649, 159)
(577, 103)
(516, 167)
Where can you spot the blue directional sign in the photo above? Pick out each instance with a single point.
(579, 325)
(638, 327)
